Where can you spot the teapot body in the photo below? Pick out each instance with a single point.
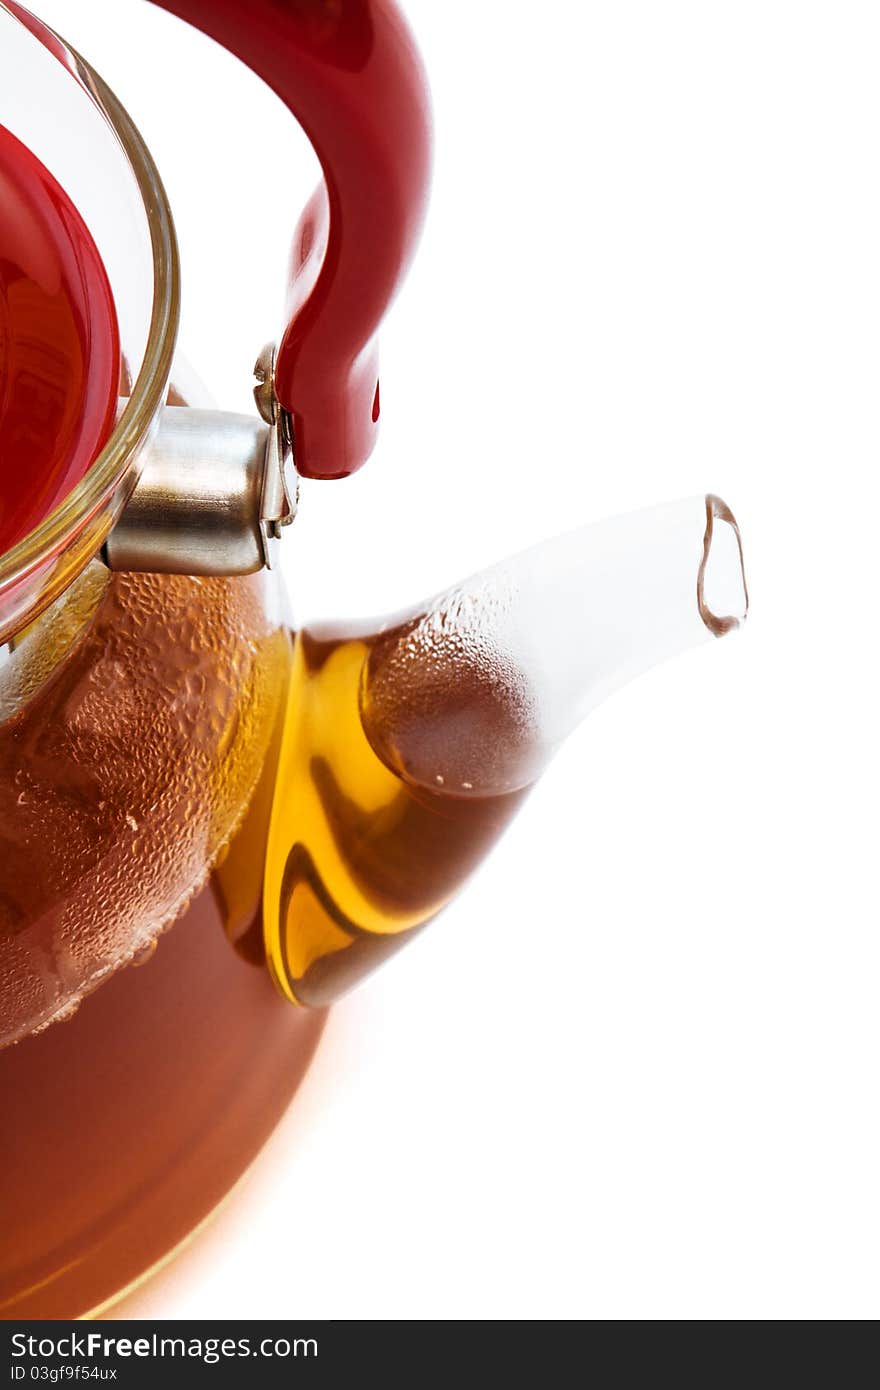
(139, 724)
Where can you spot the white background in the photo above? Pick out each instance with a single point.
(632, 1073)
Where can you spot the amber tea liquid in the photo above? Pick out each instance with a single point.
(361, 854)
(128, 1118)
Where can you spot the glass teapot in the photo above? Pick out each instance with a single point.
(292, 808)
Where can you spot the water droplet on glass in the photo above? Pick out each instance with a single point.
(145, 954)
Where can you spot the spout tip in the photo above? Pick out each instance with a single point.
(722, 592)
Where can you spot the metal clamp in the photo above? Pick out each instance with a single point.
(215, 491)
(280, 498)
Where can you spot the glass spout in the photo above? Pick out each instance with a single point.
(409, 746)
(476, 692)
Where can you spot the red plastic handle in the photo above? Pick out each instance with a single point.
(351, 74)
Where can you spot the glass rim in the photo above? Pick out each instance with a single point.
(134, 426)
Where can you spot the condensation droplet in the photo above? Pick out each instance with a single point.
(145, 954)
